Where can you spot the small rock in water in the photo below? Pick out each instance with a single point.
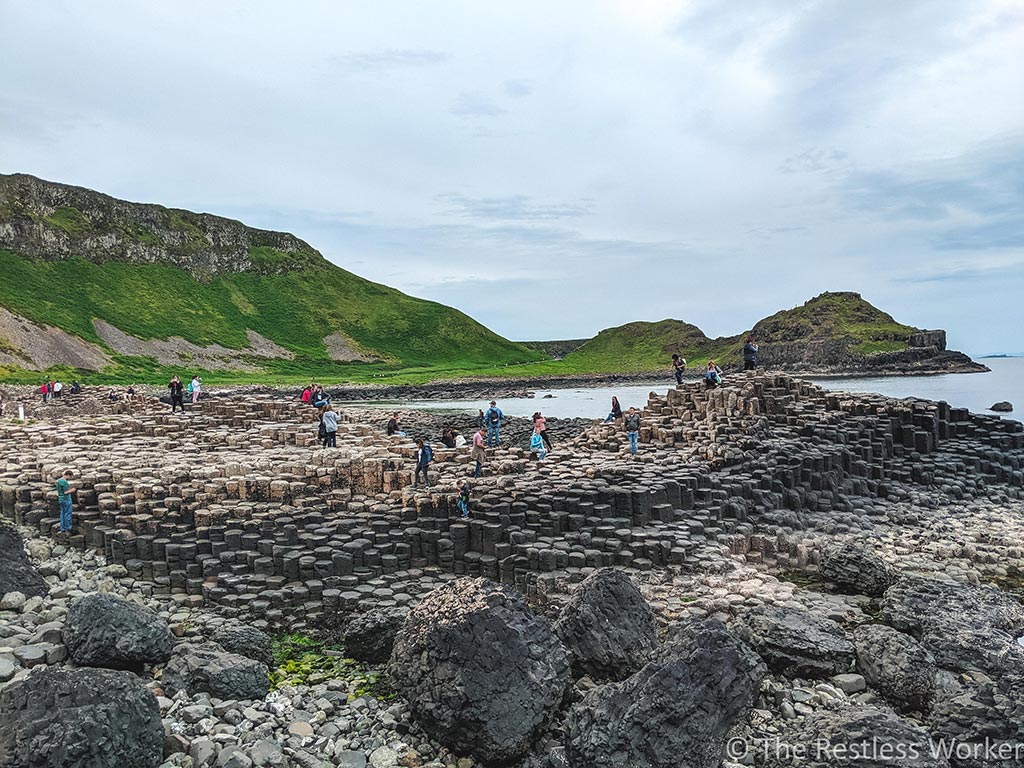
(1003, 406)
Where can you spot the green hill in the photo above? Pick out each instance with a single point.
(186, 289)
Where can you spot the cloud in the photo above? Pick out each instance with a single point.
(517, 89)
(514, 208)
(388, 59)
(474, 104)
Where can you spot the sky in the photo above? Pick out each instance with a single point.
(553, 169)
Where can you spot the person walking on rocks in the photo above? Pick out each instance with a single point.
(58, 389)
(462, 501)
(615, 412)
(195, 388)
(749, 355)
(423, 458)
(678, 367)
(177, 390)
(329, 419)
(478, 452)
(64, 491)
(540, 425)
(632, 425)
(493, 418)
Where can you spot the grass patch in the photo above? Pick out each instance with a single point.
(70, 220)
(302, 660)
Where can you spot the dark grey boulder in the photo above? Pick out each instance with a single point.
(482, 674)
(797, 643)
(65, 717)
(607, 626)
(677, 710)
(210, 669)
(245, 641)
(103, 630)
(854, 737)
(17, 574)
(1003, 406)
(370, 636)
(897, 666)
(855, 569)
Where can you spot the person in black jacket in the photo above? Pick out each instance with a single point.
(177, 394)
(749, 355)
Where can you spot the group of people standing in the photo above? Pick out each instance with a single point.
(713, 374)
(178, 390)
(53, 390)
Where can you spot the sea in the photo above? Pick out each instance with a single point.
(975, 391)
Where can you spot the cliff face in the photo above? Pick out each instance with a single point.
(49, 221)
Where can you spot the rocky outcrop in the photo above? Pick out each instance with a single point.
(676, 710)
(607, 626)
(17, 574)
(1003, 406)
(796, 643)
(370, 636)
(206, 667)
(60, 717)
(107, 631)
(481, 673)
(853, 568)
(897, 666)
(245, 641)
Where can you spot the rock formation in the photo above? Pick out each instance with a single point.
(107, 631)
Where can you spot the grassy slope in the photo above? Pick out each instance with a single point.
(295, 310)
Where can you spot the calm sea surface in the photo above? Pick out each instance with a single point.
(976, 391)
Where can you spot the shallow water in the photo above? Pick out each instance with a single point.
(976, 391)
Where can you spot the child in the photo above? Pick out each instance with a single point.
(463, 497)
(537, 445)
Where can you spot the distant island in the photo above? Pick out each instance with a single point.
(106, 290)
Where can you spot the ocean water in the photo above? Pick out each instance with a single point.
(976, 391)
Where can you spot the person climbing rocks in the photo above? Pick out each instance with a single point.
(540, 424)
(749, 355)
(64, 491)
(478, 452)
(393, 429)
(177, 390)
(462, 499)
(615, 412)
(195, 388)
(329, 420)
(423, 458)
(713, 375)
(493, 418)
(632, 426)
(678, 367)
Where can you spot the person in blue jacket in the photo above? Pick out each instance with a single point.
(423, 458)
(749, 355)
(492, 419)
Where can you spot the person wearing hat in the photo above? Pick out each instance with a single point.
(492, 418)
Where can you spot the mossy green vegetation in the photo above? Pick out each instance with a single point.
(71, 220)
(302, 660)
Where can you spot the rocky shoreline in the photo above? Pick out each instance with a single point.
(780, 567)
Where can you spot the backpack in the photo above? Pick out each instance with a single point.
(427, 456)
(494, 415)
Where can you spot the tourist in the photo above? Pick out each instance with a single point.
(76, 388)
(129, 394)
(493, 418)
(480, 419)
(307, 394)
(678, 367)
(49, 390)
(540, 424)
(448, 438)
(632, 425)
(462, 500)
(329, 420)
(393, 429)
(749, 355)
(460, 441)
(112, 396)
(320, 398)
(478, 453)
(64, 491)
(616, 411)
(177, 390)
(58, 388)
(423, 458)
(713, 375)
(44, 391)
(195, 388)
(537, 445)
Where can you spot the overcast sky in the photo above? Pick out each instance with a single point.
(557, 168)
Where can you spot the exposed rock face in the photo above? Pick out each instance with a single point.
(59, 717)
(206, 667)
(370, 636)
(30, 345)
(855, 737)
(676, 710)
(897, 666)
(797, 643)
(607, 626)
(53, 221)
(245, 641)
(1003, 406)
(17, 574)
(481, 673)
(855, 569)
(107, 631)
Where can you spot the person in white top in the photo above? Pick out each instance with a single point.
(195, 387)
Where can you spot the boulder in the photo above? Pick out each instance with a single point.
(677, 710)
(607, 626)
(897, 666)
(857, 570)
(245, 641)
(58, 717)
(206, 667)
(1003, 406)
(103, 630)
(482, 674)
(797, 643)
(370, 636)
(854, 737)
(17, 574)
